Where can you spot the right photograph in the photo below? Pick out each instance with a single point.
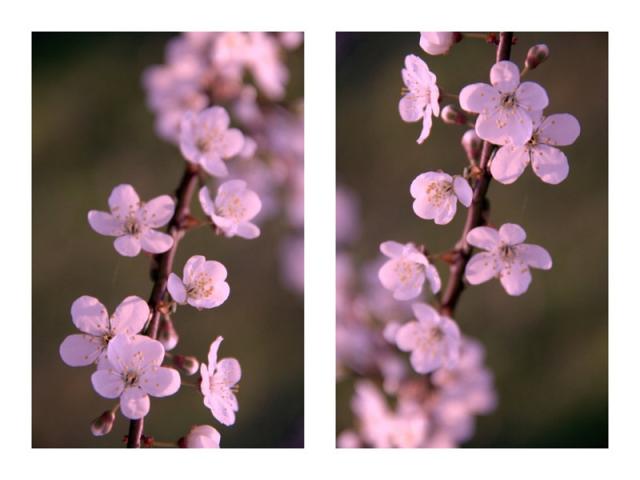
(471, 240)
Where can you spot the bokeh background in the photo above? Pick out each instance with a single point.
(92, 131)
(548, 348)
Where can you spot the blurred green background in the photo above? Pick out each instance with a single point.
(92, 131)
(548, 348)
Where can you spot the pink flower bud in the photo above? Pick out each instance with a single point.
(536, 55)
(453, 115)
(186, 364)
(103, 424)
(472, 144)
(167, 334)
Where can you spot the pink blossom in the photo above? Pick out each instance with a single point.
(433, 340)
(406, 271)
(219, 380)
(133, 222)
(437, 43)
(421, 100)
(202, 436)
(263, 60)
(505, 106)
(506, 257)
(437, 194)
(548, 162)
(291, 40)
(133, 372)
(349, 439)
(202, 285)
(206, 139)
(235, 205)
(91, 317)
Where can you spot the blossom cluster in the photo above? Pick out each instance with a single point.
(445, 384)
(241, 150)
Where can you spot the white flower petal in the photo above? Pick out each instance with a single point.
(483, 237)
(407, 336)
(160, 381)
(232, 143)
(559, 129)
(512, 234)
(228, 371)
(549, 164)
(462, 190)
(509, 162)
(104, 223)
(535, 256)
(212, 356)
(479, 98)
(247, 230)
(130, 316)
(176, 289)
(482, 267)
(426, 125)
(505, 76)
(80, 350)
(107, 383)
(206, 202)
(532, 97)
(515, 279)
(123, 201)
(214, 165)
(411, 107)
(90, 316)
(392, 249)
(153, 241)
(127, 245)
(134, 403)
(426, 314)
(157, 212)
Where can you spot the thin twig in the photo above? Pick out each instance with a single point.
(476, 215)
(161, 267)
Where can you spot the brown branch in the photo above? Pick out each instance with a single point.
(477, 211)
(162, 266)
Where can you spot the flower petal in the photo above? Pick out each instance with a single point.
(203, 436)
(509, 162)
(424, 360)
(134, 403)
(482, 267)
(157, 212)
(423, 208)
(559, 129)
(411, 107)
(512, 234)
(212, 356)
(479, 98)
(549, 164)
(483, 237)
(392, 249)
(447, 211)
(214, 165)
(215, 270)
(503, 126)
(160, 381)
(426, 314)
(232, 142)
(221, 291)
(130, 316)
(80, 350)
(434, 278)
(105, 224)
(206, 202)
(505, 76)
(107, 382)
(426, 125)
(515, 279)
(408, 291)
(407, 336)
(176, 289)
(532, 97)
(127, 245)
(247, 230)
(228, 371)
(535, 256)
(123, 201)
(90, 316)
(222, 409)
(153, 241)
(462, 190)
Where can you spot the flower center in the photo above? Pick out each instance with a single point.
(130, 378)
(507, 253)
(106, 338)
(206, 142)
(131, 226)
(431, 339)
(508, 100)
(201, 286)
(438, 192)
(406, 271)
(232, 208)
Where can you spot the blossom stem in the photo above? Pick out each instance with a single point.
(476, 215)
(162, 266)
(524, 71)
(449, 95)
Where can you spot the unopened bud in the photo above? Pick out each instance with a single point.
(103, 424)
(453, 115)
(472, 144)
(167, 335)
(186, 364)
(536, 55)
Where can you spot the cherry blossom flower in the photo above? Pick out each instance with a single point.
(506, 257)
(90, 317)
(548, 162)
(206, 139)
(203, 283)
(218, 384)
(133, 222)
(133, 372)
(505, 106)
(235, 205)
(406, 271)
(437, 194)
(421, 100)
(438, 43)
(202, 436)
(433, 340)
(348, 439)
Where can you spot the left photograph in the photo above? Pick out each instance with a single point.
(168, 233)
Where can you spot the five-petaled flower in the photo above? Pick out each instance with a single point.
(506, 257)
(438, 43)
(436, 195)
(203, 283)
(133, 222)
(505, 106)
(547, 161)
(206, 139)
(235, 205)
(202, 436)
(90, 316)
(133, 372)
(432, 339)
(219, 380)
(421, 99)
(406, 271)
